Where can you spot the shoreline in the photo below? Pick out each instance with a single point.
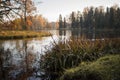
(7, 35)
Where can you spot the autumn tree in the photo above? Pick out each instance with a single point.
(57, 25)
(8, 9)
(11, 9)
(26, 9)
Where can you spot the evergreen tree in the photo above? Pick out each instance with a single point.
(78, 20)
(81, 22)
(111, 20)
(65, 25)
(60, 22)
(73, 20)
(107, 16)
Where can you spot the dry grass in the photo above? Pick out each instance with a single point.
(21, 34)
(69, 54)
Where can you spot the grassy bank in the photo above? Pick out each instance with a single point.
(105, 68)
(21, 34)
(70, 54)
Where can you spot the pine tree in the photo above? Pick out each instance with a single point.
(60, 22)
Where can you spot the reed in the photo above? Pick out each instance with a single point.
(69, 54)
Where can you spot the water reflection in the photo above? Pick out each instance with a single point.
(62, 32)
(96, 34)
(20, 56)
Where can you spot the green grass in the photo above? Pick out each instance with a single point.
(105, 68)
(70, 54)
(21, 34)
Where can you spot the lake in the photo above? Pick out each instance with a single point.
(16, 56)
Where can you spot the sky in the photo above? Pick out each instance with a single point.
(51, 9)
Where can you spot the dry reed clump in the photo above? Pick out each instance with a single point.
(69, 54)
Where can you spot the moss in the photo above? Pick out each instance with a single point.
(105, 68)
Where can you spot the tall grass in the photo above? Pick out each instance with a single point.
(69, 54)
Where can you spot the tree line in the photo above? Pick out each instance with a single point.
(35, 22)
(95, 18)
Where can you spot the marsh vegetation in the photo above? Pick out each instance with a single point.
(72, 53)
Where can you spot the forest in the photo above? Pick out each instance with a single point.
(94, 17)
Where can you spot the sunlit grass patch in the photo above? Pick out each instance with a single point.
(21, 34)
(105, 68)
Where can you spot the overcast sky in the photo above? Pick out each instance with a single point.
(51, 9)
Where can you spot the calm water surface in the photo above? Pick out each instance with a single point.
(19, 54)
(14, 52)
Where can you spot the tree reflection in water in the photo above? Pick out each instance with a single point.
(19, 69)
